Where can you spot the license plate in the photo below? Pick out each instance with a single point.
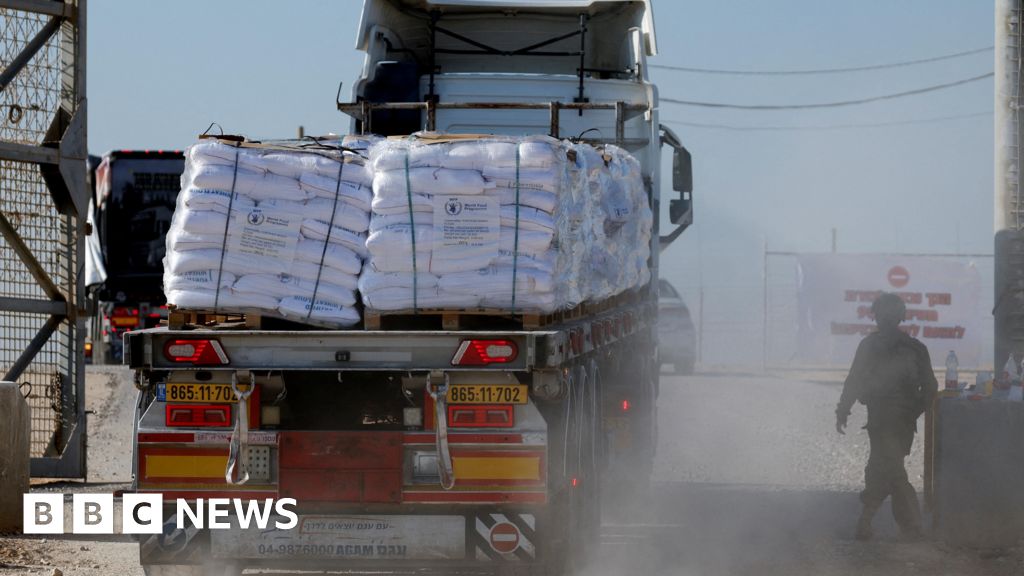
(192, 392)
(487, 394)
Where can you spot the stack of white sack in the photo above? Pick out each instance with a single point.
(621, 227)
(274, 229)
(463, 222)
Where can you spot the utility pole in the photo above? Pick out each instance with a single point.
(1009, 204)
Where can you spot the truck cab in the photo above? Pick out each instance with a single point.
(568, 68)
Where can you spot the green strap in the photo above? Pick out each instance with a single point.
(227, 224)
(515, 242)
(327, 240)
(412, 234)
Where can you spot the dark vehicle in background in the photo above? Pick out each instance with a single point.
(677, 337)
(134, 195)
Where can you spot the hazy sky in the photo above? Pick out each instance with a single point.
(160, 72)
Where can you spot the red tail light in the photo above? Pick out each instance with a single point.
(485, 352)
(199, 415)
(481, 416)
(625, 405)
(124, 317)
(197, 352)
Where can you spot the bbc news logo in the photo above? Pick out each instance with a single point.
(144, 513)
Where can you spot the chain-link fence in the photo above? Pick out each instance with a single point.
(42, 208)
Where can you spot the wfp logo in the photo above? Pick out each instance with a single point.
(144, 513)
(453, 207)
(256, 217)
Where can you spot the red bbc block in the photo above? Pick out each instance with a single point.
(341, 450)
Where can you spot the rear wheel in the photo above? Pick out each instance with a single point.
(574, 517)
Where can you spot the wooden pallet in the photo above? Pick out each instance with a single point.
(178, 319)
(467, 318)
(409, 319)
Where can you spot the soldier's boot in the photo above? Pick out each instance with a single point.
(907, 512)
(864, 531)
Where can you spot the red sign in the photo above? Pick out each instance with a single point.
(898, 276)
(504, 537)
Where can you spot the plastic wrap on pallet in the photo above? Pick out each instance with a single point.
(622, 223)
(268, 229)
(492, 222)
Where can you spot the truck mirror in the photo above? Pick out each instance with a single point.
(682, 171)
(680, 210)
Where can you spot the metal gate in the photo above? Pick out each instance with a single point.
(43, 205)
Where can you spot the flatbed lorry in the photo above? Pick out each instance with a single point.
(441, 444)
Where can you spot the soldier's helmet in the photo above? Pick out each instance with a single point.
(889, 308)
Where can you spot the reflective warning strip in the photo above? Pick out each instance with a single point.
(512, 468)
(182, 464)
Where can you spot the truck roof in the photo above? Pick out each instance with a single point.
(144, 154)
(375, 11)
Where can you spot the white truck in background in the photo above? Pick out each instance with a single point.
(427, 447)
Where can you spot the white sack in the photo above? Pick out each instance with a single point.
(428, 181)
(228, 299)
(298, 308)
(284, 285)
(256, 185)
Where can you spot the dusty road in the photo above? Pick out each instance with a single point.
(750, 478)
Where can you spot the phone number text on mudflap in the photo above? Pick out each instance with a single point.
(322, 550)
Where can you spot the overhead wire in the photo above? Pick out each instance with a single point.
(797, 72)
(824, 127)
(835, 104)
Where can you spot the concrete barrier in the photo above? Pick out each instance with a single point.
(979, 472)
(14, 455)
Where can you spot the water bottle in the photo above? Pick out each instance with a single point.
(952, 374)
(1009, 377)
(1016, 390)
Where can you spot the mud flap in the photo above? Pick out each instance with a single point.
(507, 537)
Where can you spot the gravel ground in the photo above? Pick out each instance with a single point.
(777, 431)
(750, 478)
(109, 402)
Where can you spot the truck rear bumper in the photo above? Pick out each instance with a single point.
(420, 538)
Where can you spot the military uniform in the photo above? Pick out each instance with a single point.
(891, 375)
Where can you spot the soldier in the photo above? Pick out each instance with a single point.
(891, 375)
